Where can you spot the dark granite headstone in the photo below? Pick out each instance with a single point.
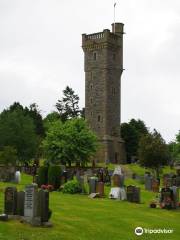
(178, 181)
(130, 192)
(133, 194)
(43, 205)
(10, 202)
(20, 203)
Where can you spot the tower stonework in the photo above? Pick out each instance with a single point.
(103, 66)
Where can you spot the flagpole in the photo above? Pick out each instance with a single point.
(114, 15)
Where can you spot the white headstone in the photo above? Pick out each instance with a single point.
(117, 171)
(17, 177)
(114, 193)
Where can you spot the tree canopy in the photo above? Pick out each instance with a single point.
(70, 142)
(132, 132)
(17, 130)
(68, 106)
(8, 156)
(153, 151)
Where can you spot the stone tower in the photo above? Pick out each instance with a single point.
(103, 65)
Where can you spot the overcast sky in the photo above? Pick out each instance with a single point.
(40, 54)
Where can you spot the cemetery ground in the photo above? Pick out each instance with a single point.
(78, 217)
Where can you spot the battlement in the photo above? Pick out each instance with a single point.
(101, 38)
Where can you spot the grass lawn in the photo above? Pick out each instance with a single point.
(76, 217)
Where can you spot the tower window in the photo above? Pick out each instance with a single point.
(99, 118)
(91, 100)
(95, 56)
(91, 86)
(113, 91)
(114, 56)
(91, 113)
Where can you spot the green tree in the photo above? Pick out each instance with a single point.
(68, 106)
(50, 119)
(174, 148)
(8, 156)
(70, 142)
(130, 136)
(153, 151)
(132, 132)
(17, 130)
(34, 112)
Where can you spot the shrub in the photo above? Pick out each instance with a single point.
(72, 187)
(42, 176)
(54, 174)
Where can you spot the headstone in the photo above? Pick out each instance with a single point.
(92, 184)
(130, 192)
(31, 201)
(178, 181)
(117, 171)
(133, 194)
(166, 198)
(43, 205)
(137, 194)
(148, 182)
(155, 185)
(100, 188)
(17, 177)
(116, 180)
(3, 217)
(123, 195)
(20, 203)
(10, 202)
(114, 193)
(175, 196)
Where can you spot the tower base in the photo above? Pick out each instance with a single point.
(112, 150)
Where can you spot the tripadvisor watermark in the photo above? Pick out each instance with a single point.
(140, 231)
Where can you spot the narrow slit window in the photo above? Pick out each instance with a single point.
(95, 56)
(99, 118)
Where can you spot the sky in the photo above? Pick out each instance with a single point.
(40, 54)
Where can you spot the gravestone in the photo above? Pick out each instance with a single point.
(100, 188)
(133, 194)
(148, 182)
(10, 201)
(17, 177)
(43, 205)
(155, 185)
(20, 203)
(114, 193)
(118, 180)
(178, 181)
(117, 171)
(31, 201)
(166, 198)
(123, 195)
(92, 184)
(175, 196)
(130, 192)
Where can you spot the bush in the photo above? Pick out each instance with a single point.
(54, 176)
(72, 187)
(42, 176)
